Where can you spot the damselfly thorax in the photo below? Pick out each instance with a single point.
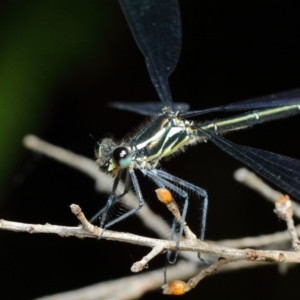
(164, 135)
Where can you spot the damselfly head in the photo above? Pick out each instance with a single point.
(111, 157)
(104, 153)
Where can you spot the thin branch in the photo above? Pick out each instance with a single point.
(178, 287)
(284, 210)
(142, 264)
(165, 197)
(185, 245)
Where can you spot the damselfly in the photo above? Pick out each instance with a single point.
(156, 27)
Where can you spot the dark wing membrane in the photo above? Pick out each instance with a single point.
(280, 170)
(148, 108)
(286, 98)
(156, 28)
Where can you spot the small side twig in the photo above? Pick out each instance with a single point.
(86, 225)
(164, 196)
(178, 287)
(284, 210)
(140, 265)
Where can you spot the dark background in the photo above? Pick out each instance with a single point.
(231, 51)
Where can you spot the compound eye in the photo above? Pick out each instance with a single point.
(122, 157)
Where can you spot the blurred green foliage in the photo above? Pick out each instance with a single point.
(39, 40)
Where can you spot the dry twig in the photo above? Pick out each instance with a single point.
(284, 210)
(242, 257)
